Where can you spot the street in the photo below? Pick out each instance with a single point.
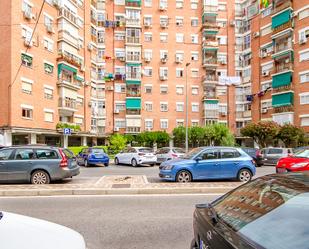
(118, 222)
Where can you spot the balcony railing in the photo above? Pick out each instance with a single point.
(67, 103)
(210, 61)
(133, 94)
(133, 57)
(133, 129)
(211, 25)
(210, 77)
(210, 43)
(283, 46)
(283, 109)
(130, 39)
(282, 89)
(133, 112)
(283, 67)
(68, 82)
(134, 22)
(94, 38)
(68, 15)
(281, 5)
(65, 35)
(210, 94)
(282, 27)
(70, 58)
(211, 113)
(137, 76)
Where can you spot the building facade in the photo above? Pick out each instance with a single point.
(100, 67)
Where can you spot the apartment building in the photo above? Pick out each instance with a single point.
(100, 67)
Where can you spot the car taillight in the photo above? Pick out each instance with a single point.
(174, 155)
(64, 160)
(253, 162)
(141, 154)
(258, 153)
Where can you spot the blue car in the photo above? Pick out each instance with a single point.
(92, 156)
(209, 163)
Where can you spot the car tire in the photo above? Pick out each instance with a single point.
(86, 163)
(106, 164)
(244, 175)
(39, 177)
(116, 161)
(183, 176)
(134, 162)
(193, 245)
(152, 165)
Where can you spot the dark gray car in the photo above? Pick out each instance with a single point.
(36, 164)
(270, 156)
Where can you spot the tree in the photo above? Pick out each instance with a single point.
(196, 136)
(163, 138)
(263, 133)
(222, 136)
(291, 135)
(149, 138)
(179, 136)
(117, 143)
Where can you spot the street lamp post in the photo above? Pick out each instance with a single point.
(187, 113)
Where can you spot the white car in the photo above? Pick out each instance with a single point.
(136, 156)
(167, 153)
(18, 231)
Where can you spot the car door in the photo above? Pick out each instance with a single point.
(19, 167)
(132, 153)
(5, 156)
(80, 157)
(230, 160)
(207, 165)
(273, 155)
(122, 155)
(47, 159)
(159, 155)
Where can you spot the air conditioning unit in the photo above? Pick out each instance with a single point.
(162, 7)
(163, 24)
(28, 43)
(90, 47)
(116, 111)
(163, 77)
(178, 59)
(116, 128)
(264, 110)
(232, 23)
(256, 34)
(110, 88)
(164, 59)
(50, 29)
(27, 14)
(89, 104)
(266, 73)
(302, 41)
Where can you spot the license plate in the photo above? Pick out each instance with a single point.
(281, 170)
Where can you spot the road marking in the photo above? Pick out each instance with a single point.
(98, 182)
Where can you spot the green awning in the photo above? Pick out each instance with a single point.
(138, 2)
(62, 66)
(133, 82)
(211, 101)
(26, 58)
(211, 48)
(133, 64)
(284, 99)
(210, 32)
(48, 68)
(78, 78)
(281, 18)
(283, 54)
(283, 79)
(133, 103)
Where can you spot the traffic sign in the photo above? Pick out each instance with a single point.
(67, 131)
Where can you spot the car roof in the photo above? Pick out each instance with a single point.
(140, 148)
(219, 147)
(32, 146)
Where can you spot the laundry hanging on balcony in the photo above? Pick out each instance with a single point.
(264, 3)
(113, 24)
(227, 81)
(260, 94)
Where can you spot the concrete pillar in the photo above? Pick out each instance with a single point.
(33, 138)
(65, 141)
(94, 141)
(171, 143)
(7, 138)
(84, 141)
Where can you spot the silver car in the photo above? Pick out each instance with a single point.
(270, 156)
(36, 164)
(167, 153)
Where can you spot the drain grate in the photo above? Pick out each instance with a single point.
(121, 185)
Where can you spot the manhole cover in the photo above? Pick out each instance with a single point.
(121, 185)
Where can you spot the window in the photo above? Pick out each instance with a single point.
(303, 35)
(194, 90)
(163, 72)
(48, 44)
(222, 7)
(48, 68)
(163, 89)
(194, 123)
(266, 69)
(194, 73)
(195, 107)
(304, 77)
(266, 50)
(119, 2)
(179, 90)
(179, 4)
(148, 106)
(180, 122)
(26, 33)
(163, 106)
(266, 12)
(79, 101)
(304, 98)
(179, 72)
(194, 4)
(148, 124)
(148, 3)
(163, 4)
(179, 106)
(194, 39)
(194, 56)
(304, 121)
(26, 86)
(27, 113)
(229, 153)
(164, 123)
(163, 37)
(5, 154)
(26, 60)
(148, 37)
(179, 38)
(120, 88)
(48, 22)
(78, 120)
(48, 93)
(148, 71)
(120, 123)
(266, 30)
(304, 55)
(163, 21)
(194, 22)
(303, 14)
(48, 116)
(179, 21)
(120, 35)
(24, 154)
(147, 20)
(209, 155)
(266, 104)
(148, 89)
(222, 40)
(147, 54)
(163, 54)
(223, 109)
(120, 106)
(179, 57)
(46, 154)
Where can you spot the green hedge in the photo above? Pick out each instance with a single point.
(77, 149)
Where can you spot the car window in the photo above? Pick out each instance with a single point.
(5, 154)
(210, 155)
(97, 151)
(229, 153)
(275, 151)
(145, 150)
(179, 150)
(69, 154)
(46, 154)
(85, 150)
(24, 154)
(159, 151)
(302, 154)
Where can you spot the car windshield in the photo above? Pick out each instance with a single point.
(302, 153)
(193, 153)
(97, 151)
(179, 150)
(145, 150)
(264, 210)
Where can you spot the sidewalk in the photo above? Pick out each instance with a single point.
(118, 185)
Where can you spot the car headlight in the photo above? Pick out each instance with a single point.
(169, 167)
(299, 165)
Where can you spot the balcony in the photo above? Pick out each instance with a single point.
(283, 67)
(100, 5)
(63, 12)
(133, 22)
(131, 93)
(214, 114)
(210, 43)
(133, 130)
(133, 40)
(67, 106)
(135, 58)
(134, 3)
(66, 36)
(93, 20)
(281, 5)
(70, 58)
(211, 25)
(282, 45)
(97, 130)
(69, 83)
(210, 78)
(210, 61)
(280, 100)
(133, 112)
(94, 38)
(134, 76)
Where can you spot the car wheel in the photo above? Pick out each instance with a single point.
(40, 177)
(244, 175)
(86, 163)
(134, 162)
(183, 176)
(193, 245)
(153, 164)
(116, 161)
(106, 164)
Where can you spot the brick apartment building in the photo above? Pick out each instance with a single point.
(127, 66)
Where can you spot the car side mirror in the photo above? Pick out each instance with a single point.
(198, 159)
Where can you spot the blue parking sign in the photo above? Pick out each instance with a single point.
(67, 131)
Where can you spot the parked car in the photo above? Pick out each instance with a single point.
(258, 214)
(136, 156)
(298, 149)
(92, 156)
(168, 153)
(18, 231)
(255, 154)
(297, 162)
(270, 156)
(36, 164)
(209, 163)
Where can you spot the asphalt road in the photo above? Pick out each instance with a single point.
(118, 222)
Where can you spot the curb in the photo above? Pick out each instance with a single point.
(102, 191)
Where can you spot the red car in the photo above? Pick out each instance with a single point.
(298, 162)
